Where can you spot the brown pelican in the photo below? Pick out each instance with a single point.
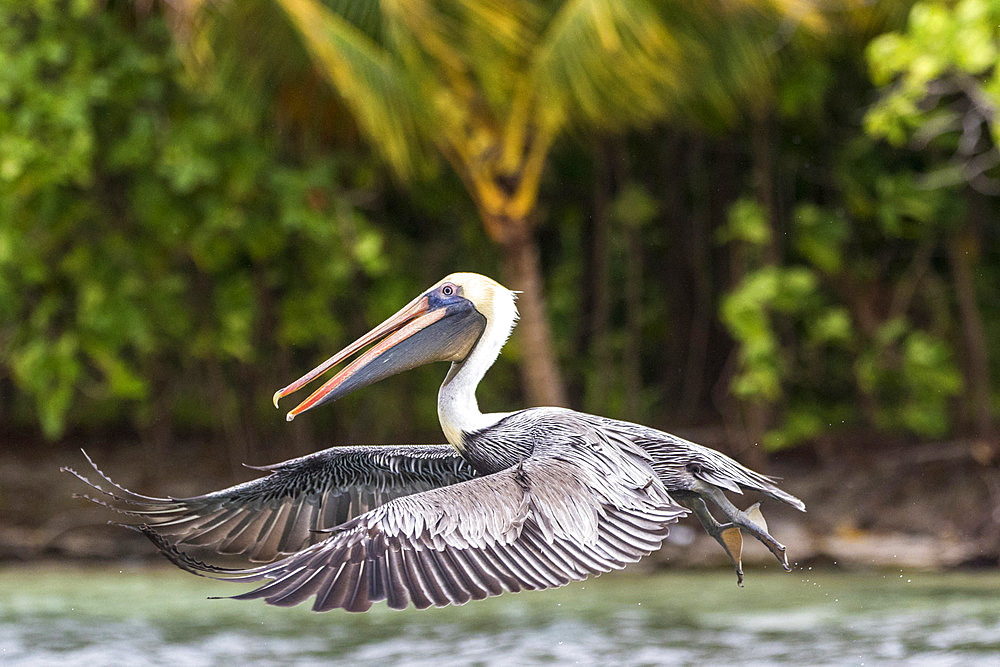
(529, 499)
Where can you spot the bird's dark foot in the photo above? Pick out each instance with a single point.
(730, 534)
(727, 535)
(752, 521)
(732, 543)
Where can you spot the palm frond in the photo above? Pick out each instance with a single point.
(365, 15)
(729, 55)
(465, 52)
(620, 64)
(604, 61)
(370, 79)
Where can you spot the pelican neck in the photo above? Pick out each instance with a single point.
(458, 409)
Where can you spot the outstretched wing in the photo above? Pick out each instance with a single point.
(704, 463)
(551, 519)
(718, 469)
(280, 513)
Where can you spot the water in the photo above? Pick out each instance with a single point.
(155, 616)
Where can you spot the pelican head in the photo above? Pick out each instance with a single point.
(444, 323)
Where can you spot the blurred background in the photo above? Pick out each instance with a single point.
(766, 225)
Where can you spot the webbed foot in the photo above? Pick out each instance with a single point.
(727, 535)
(730, 534)
(752, 521)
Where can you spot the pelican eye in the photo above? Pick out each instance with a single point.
(448, 290)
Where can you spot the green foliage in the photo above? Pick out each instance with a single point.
(784, 322)
(747, 222)
(634, 207)
(146, 226)
(913, 375)
(941, 38)
(820, 237)
(173, 237)
(941, 88)
(452, 75)
(798, 326)
(874, 319)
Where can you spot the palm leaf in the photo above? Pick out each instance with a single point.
(466, 54)
(614, 65)
(371, 80)
(603, 62)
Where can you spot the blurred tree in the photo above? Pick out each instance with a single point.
(873, 270)
(834, 265)
(490, 86)
(941, 95)
(180, 225)
(150, 230)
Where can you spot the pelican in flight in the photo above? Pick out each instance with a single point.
(522, 500)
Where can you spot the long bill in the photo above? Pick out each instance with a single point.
(421, 332)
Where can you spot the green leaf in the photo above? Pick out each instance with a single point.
(634, 206)
(833, 326)
(819, 237)
(747, 222)
(385, 101)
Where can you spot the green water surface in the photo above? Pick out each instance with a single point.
(157, 616)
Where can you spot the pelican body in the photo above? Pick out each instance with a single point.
(519, 500)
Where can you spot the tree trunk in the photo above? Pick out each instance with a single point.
(698, 256)
(632, 359)
(973, 333)
(598, 383)
(539, 370)
(759, 415)
(158, 430)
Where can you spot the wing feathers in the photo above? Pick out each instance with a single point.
(278, 514)
(439, 589)
(542, 524)
(431, 583)
(416, 526)
(395, 585)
